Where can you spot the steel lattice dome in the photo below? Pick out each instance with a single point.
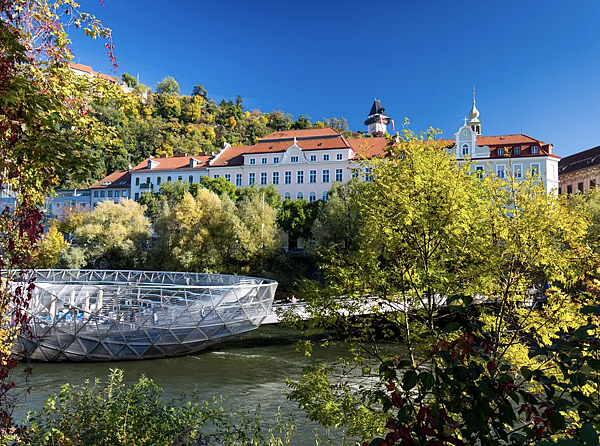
(97, 315)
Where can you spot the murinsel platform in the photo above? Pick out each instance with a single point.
(99, 315)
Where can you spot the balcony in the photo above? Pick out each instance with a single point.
(149, 186)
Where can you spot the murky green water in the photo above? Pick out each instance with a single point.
(250, 371)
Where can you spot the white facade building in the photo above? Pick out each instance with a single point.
(303, 164)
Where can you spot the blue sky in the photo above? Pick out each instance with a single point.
(535, 64)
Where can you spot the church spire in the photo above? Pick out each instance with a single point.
(474, 121)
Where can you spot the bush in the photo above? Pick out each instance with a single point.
(116, 414)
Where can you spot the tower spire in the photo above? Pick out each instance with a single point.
(474, 122)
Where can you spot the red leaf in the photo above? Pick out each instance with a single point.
(491, 366)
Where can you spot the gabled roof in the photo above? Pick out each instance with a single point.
(508, 140)
(579, 161)
(173, 163)
(89, 70)
(116, 180)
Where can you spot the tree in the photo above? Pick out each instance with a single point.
(296, 218)
(199, 90)
(168, 86)
(434, 239)
(44, 119)
(303, 122)
(49, 249)
(269, 193)
(129, 80)
(113, 234)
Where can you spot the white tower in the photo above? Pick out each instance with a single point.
(474, 122)
(377, 121)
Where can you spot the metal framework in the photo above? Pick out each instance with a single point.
(97, 315)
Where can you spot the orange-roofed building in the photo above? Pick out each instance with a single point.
(115, 186)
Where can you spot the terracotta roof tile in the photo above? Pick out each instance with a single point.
(508, 140)
(173, 163)
(117, 179)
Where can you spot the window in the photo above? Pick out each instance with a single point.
(368, 176)
(263, 161)
(276, 160)
(324, 195)
(252, 161)
(263, 178)
(228, 177)
(339, 175)
(238, 179)
(191, 178)
(312, 176)
(500, 151)
(137, 181)
(158, 180)
(569, 189)
(287, 178)
(592, 184)
(326, 157)
(517, 150)
(312, 196)
(275, 178)
(339, 157)
(300, 177)
(117, 193)
(293, 159)
(465, 149)
(580, 187)
(479, 170)
(124, 194)
(169, 179)
(326, 176)
(299, 196)
(147, 180)
(102, 194)
(500, 172)
(95, 194)
(518, 171)
(216, 175)
(287, 196)
(535, 169)
(313, 158)
(179, 178)
(251, 178)
(110, 192)
(534, 149)
(137, 196)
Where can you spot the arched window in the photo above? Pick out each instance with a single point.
(191, 178)
(324, 195)
(169, 179)
(287, 196)
(299, 196)
(147, 180)
(465, 149)
(158, 180)
(179, 178)
(312, 196)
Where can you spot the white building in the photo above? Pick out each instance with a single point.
(114, 187)
(303, 164)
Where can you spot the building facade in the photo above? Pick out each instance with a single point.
(303, 164)
(579, 172)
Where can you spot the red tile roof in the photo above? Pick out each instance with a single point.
(279, 142)
(88, 69)
(370, 147)
(117, 179)
(172, 163)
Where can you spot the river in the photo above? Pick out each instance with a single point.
(249, 371)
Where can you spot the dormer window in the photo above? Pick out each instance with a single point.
(193, 162)
(465, 149)
(293, 159)
(517, 150)
(500, 151)
(534, 150)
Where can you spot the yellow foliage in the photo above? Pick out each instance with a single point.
(49, 248)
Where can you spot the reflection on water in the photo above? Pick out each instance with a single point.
(249, 371)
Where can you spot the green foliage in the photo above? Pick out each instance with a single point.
(168, 86)
(296, 218)
(129, 80)
(117, 414)
(112, 234)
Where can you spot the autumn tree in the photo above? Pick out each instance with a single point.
(113, 235)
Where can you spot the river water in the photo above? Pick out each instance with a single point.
(249, 371)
